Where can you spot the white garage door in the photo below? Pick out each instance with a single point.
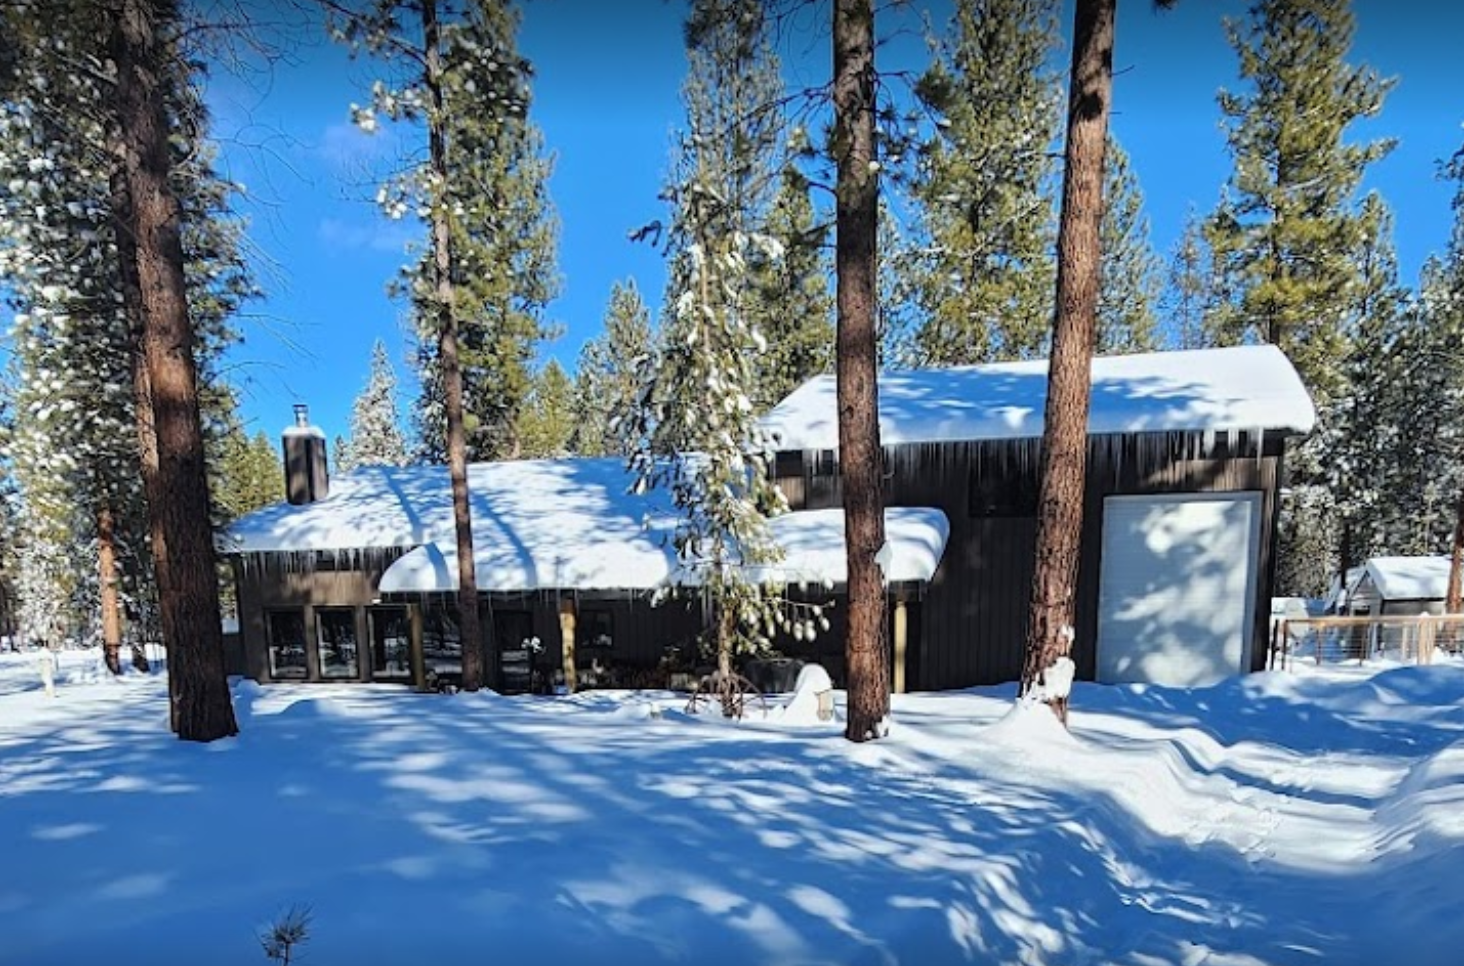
(1177, 587)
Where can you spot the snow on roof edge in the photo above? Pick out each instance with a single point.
(1409, 578)
(812, 540)
(1236, 388)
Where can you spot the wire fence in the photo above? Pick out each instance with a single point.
(1416, 638)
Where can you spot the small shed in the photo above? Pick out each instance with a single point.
(1398, 586)
(1185, 461)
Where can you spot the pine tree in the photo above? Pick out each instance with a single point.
(855, 154)
(607, 377)
(984, 277)
(734, 129)
(1444, 365)
(693, 429)
(1369, 471)
(71, 443)
(376, 436)
(76, 443)
(1288, 230)
(547, 424)
(1290, 225)
(734, 147)
(251, 476)
(793, 307)
(340, 455)
(503, 235)
(141, 41)
(897, 325)
(1191, 288)
(695, 434)
(1047, 668)
(1129, 287)
(466, 84)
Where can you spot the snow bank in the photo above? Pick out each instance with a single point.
(1278, 819)
(803, 707)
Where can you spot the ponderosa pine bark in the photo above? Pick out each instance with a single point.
(1063, 467)
(177, 489)
(447, 348)
(107, 589)
(860, 463)
(120, 198)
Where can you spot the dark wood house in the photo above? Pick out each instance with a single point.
(353, 581)
(1185, 460)
(355, 578)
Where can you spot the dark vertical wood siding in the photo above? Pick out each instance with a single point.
(968, 626)
(973, 615)
(266, 582)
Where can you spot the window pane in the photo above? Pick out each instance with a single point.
(391, 643)
(337, 644)
(287, 644)
(595, 629)
(442, 647)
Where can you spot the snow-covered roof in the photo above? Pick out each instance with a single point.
(545, 524)
(556, 502)
(814, 550)
(812, 541)
(1235, 388)
(1410, 578)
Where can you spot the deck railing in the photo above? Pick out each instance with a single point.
(1330, 640)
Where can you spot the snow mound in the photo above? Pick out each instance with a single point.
(1028, 724)
(1429, 801)
(803, 707)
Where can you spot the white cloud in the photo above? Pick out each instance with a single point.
(343, 145)
(377, 235)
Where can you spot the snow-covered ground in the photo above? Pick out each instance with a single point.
(1307, 818)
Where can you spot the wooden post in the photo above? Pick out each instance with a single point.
(419, 660)
(902, 624)
(566, 641)
(312, 644)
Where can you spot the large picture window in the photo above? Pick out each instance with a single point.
(391, 643)
(286, 630)
(336, 631)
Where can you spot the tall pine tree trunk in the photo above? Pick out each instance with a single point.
(107, 583)
(452, 374)
(860, 463)
(120, 198)
(1065, 433)
(177, 492)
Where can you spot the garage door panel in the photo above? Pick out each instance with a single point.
(1177, 581)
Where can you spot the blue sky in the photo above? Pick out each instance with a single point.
(606, 95)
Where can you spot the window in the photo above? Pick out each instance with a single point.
(513, 634)
(595, 628)
(391, 643)
(442, 646)
(286, 630)
(336, 631)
